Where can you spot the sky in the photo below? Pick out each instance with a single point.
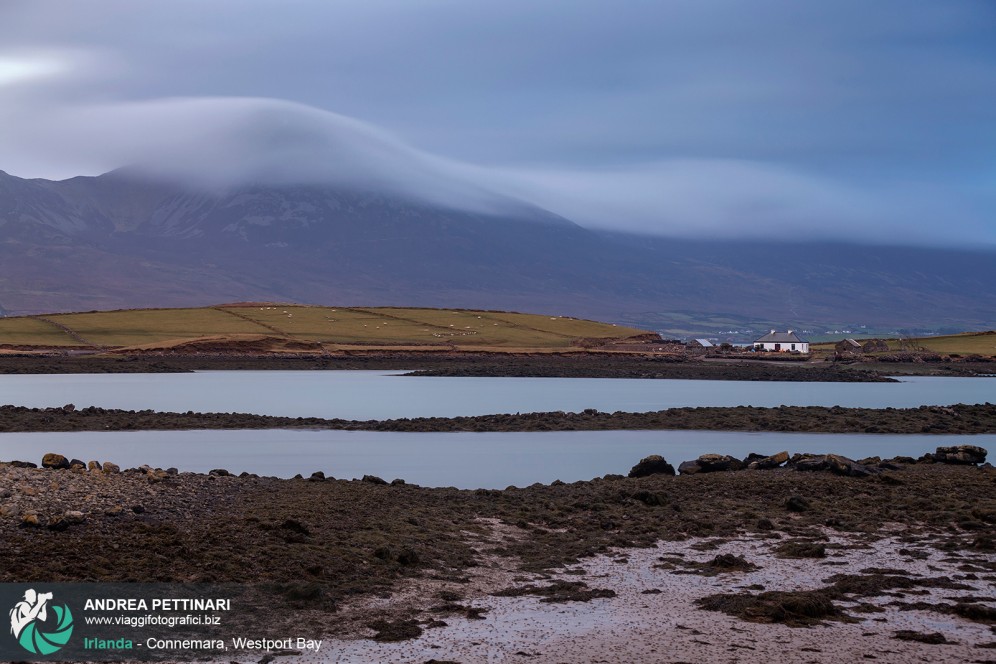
(856, 120)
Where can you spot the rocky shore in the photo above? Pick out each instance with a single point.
(347, 554)
(574, 364)
(955, 419)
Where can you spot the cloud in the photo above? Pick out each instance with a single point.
(768, 118)
(222, 142)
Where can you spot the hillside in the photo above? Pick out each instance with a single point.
(268, 327)
(124, 241)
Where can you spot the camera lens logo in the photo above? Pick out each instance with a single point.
(31, 626)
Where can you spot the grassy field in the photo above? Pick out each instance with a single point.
(970, 343)
(33, 332)
(382, 326)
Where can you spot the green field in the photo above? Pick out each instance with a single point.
(377, 326)
(33, 332)
(969, 343)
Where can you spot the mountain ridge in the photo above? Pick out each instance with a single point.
(119, 240)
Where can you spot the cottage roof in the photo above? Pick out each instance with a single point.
(852, 343)
(705, 343)
(780, 338)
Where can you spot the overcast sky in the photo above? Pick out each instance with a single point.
(846, 119)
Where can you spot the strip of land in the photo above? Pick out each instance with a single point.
(955, 419)
(578, 364)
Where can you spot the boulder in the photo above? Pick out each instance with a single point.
(654, 464)
(220, 472)
(31, 520)
(959, 454)
(110, 468)
(713, 463)
(841, 465)
(76, 463)
(53, 460)
(94, 465)
(710, 463)
(317, 476)
(23, 464)
(373, 479)
(688, 467)
(809, 462)
(766, 463)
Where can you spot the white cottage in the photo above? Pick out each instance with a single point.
(782, 342)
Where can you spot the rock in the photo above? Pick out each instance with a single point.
(688, 467)
(31, 520)
(841, 465)
(74, 517)
(400, 482)
(317, 476)
(220, 472)
(157, 475)
(960, 454)
(138, 509)
(797, 504)
(809, 462)
(713, 463)
(373, 479)
(752, 457)
(172, 471)
(710, 463)
(111, 468)
(654, 464)
(116, 510)
(53, 460)
(94, 465)
(68, 408)
(23, 464)
(76, 463)
(767, 463)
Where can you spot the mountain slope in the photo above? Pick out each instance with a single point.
(121, 240)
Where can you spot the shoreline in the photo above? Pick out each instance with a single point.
(390, 571)
(953, 419)
(553, 364)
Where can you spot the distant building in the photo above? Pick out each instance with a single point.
(848, 346)
(701, 343)
(782, 342)
(875, 346)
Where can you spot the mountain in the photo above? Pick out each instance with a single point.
(127, 240)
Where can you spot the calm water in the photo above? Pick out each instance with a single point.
(379, 395)
(464, 460)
